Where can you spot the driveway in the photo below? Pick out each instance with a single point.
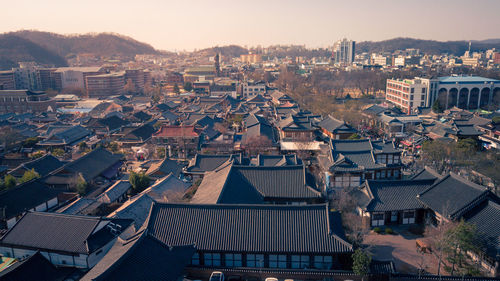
(401, 249)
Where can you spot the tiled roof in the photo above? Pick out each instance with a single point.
(276, 160)
(136, 208)
(58, 232)
(141, 257)
(427, 173)
(43, 166)
(93, 163)
(202, 163)
(252, 185)
(176, 131)
(248, 228)
(166, 166)
(334, 125)
(395, 195)
(453, 195)
(25, 197)
(35, 267)
(486, 217)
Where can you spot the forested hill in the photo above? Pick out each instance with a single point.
(426, 46)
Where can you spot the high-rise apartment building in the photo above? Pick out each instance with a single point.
(343, 52)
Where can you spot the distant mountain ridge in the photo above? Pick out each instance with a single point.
(14, 49)
(104, 44)
(52, 49)
(426, 46)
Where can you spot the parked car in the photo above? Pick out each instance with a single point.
(217, 276)
(271, 279)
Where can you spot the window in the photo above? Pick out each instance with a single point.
(382, 174)
(394, 216)
(389, 159)
(255, 260)
(195, 260)
(396, 158)
(396, 173)
(300, 261)
(408, 217)
(212, 259)
(233, 260)
(277, 261)
(423, 90)
(378, 219)
(322, 262)
(412, 90)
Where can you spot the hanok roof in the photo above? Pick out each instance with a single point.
(167, 187)
(202, 163)
(165, 167)
(358, 155)
(486, 217)
(43, 166)
(117, 190)
(136, 208)
(61, 233)
(426, 173)
(452, 196)
(249, 228)
(141, 133)
(335, 126)
(35, 267)
(67, 136)
(142, 116)
(25, 197)
(142, 257)
(176, 131)
(396, 195)
(93, 163)
(276, 160)
(247, 184)
(252, 120)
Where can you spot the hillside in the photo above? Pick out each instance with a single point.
(104, 44)
(426, 46)
(230, 51)
(14, 49)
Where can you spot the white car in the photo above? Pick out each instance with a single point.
(271, 279)
(217, 276)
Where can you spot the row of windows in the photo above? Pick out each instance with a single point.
(262, 261)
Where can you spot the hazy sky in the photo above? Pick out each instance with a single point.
(190, 24)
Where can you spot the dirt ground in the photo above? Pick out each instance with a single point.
(401, 249)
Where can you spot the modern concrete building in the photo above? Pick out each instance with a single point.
(139, 78)
(23, 101)
(73, 77)
(7, 80)
(105, 85)
(465, 92)
(343, 51)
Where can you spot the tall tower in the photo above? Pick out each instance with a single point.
(343, 52)
(217, 64)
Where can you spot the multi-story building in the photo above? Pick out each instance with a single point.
(7, 80)
(73, 77)
(408, 94)
(46, 76)
(26, 76)
(139, 77)
(251, 58)
(23, 101)
(251, 89)
(200, 73)
(465, 92)
(105, 85)
(343, 52)
(378, 59)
